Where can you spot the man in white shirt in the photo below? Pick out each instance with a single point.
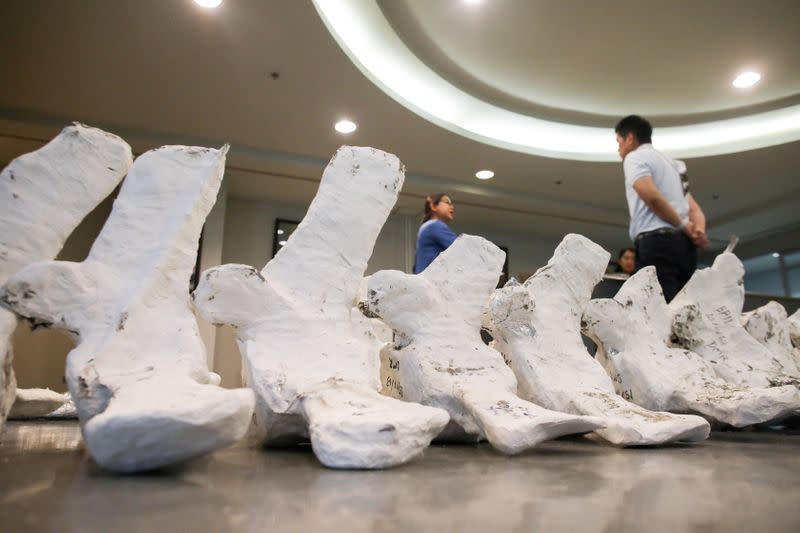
(667, 224)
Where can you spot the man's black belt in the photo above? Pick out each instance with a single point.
(659, 231)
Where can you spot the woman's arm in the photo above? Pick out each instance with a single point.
(443, 235)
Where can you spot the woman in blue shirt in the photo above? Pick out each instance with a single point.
(434, 235)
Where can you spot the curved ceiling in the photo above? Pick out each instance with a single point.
(516, 75)
(656, 60)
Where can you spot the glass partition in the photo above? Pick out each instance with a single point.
(776, 274)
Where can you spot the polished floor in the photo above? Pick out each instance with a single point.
(737, 481)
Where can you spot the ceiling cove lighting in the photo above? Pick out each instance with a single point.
(345, 126)
(368, 39)
(746, 79)
(210, 4)
(484, 174)
(776, 255)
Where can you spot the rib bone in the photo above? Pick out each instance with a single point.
(43, 197)
(442, 360)
(138, 376)
(537, 328)
(309, 354)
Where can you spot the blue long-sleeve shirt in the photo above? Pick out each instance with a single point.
(433, 238)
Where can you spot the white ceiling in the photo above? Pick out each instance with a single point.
(662, 59)
(167, 71)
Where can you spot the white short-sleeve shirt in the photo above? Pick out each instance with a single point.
(647, 161)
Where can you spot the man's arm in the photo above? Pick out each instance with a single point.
(698, 220)
(652, 197)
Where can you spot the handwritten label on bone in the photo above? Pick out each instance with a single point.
(628, 395)
(392, 384)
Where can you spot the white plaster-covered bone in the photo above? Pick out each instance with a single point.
(537, 328)
(67, 409)
(769, 325)
(634, 329)
(138, 375)
(309, 354)
(442, 360)
(43, 197)
(705, 320)
(36, 403)
(794, 328)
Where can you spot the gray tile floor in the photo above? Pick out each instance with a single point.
(742, 481)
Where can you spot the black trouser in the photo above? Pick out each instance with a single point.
(672, 253)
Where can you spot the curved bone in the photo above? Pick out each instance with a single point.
(43, 197)
(537, 328)
(634, 330)
(309, 355)
(705, 319)
(138, 376)
(769, 325)
(443, 361)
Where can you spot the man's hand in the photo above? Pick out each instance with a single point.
(699, 238)
(696, 215)
(696, 233)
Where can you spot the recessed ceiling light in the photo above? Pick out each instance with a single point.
(484, 174)
(746, 79)
(280, 232)
(281, 243)
(776, 254)
(208, 3)
(345, 126)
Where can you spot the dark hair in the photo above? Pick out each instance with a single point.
(637, 125)
(431, 201)
(622, 252)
